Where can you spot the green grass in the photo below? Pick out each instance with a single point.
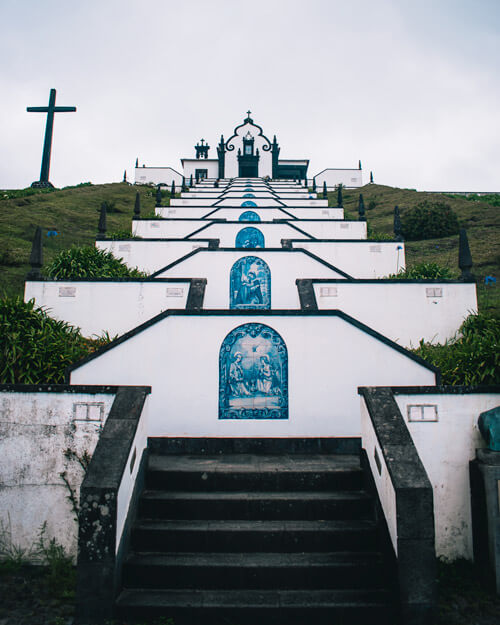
(480, 218)
(74, 213)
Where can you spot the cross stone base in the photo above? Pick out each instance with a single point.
(42, 184)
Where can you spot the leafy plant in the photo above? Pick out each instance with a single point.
(35, 348)
(472, 356)
(429, 220)
(89, 262)
(423, 271)
(60, 571)
(12, 555)
(119, 235)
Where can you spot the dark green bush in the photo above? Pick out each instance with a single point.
(423, 271)
(472, 357)
(429, 221)
(34, 348)
(89, 262)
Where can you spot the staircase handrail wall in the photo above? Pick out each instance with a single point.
(111, 487)
(406, 497)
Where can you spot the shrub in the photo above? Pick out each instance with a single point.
(89, 262)
(36, 349)
(429, 221)
(119, 235)
(423, 271)
(472, 356)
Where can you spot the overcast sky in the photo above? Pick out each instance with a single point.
(410, 87)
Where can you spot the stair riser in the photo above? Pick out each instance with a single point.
(351, 615)
(237, 577)
(256, 509)
(211, 446)
(272, 481)
(253, 541)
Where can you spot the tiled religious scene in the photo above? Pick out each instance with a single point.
(253, 374)
(250, 284)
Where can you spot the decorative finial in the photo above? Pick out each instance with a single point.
(36, 256)
(172, 189)
(137, 162)
(340, 202)
(398, 228)
(102, 225)
(464, 255)
(125, 176)
(361, 208)
(359, 164)
(137, 206)
(325, 191)
(371, 177)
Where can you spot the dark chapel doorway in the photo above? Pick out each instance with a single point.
(248, 160)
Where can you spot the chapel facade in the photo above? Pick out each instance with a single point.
(248, 152)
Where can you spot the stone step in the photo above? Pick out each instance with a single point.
(306, 505)
(254, 472)
(254, 570)
(266, 607)
(279, 446)
(241, 536)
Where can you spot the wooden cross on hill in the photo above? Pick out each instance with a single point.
(47, 145)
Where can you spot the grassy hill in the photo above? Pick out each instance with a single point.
(74, 211)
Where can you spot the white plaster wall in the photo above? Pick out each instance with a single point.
(35, 430)
(322, 229)
(236, 203)
(445, 448)
(285, 269)
(265, 213)
(383, 482)
(316, 213)
(190, 167)
(226, 233)
(157, 175)
(168, 228)
(262, 201)
(301, 203)
(329, 229)
(328, 359)
(402, 312)
(187, 201)
(360, 259)
(126, 488)
(184, 212)
(334, 177)
(150, 255)
(114, 307)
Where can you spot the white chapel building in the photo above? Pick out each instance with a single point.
(247, 153)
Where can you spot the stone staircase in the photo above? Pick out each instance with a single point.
(255, 537)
